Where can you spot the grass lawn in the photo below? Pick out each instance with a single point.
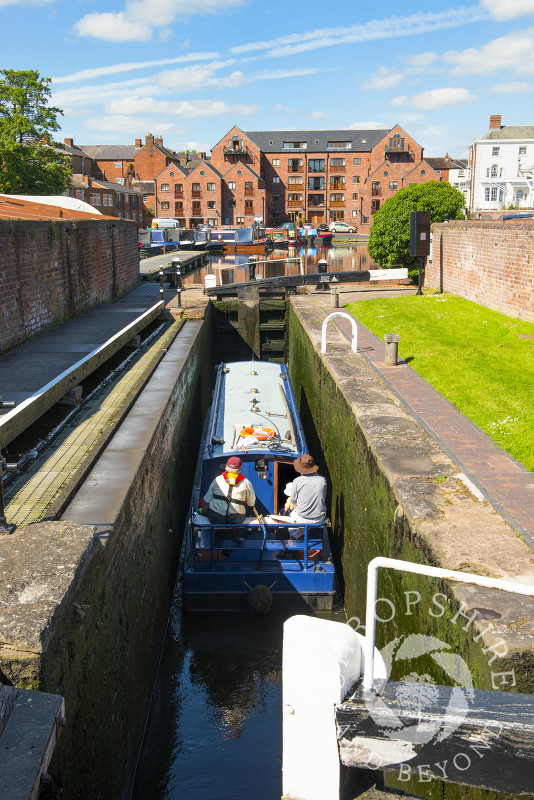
(473, 356)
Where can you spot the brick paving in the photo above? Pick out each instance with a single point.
(504, 482)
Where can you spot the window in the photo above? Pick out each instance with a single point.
(276, 197)
(133, 201)
(494, 192)
(461, 173)
(107, 199)
(239, 172)
(355, 195)
(231, 184)
(386, 173)
(249, 206)
(393, 184)
(396, 143)
(202, 172)
(423, 171)
(276, 161)
(295, 145)
(522, 151)
(80, 194)
(195, 187)
(165, 206)
(145, 198)
(211, 203)
(316, 183)
(355, 178)
(337, 198)
(117, 164)
(495, 151)
(294, 198)
(171, 174)
(337, 162)
(119, 200)
(94, 199)
(295, 181)
(339, 145)
(316, 165)
(337, 182)
(356, 161)
(178, 206)
(231, 203)
(164, 187)
(240, 220)
(211, 187)
(365, 220)
(494, 170)
(354, 213)
(315, 200)
(500, 173)
(276, 180)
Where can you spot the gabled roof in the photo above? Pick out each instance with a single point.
(145, 187)
(417, 167)
(110, 152)
(205, 164)
(511, 132)
(174, 164)
(117, 187)
(389, 165)
(446, 163)
(241, 166)
(317, 141)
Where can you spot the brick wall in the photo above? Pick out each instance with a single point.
(50, 271)
(491, 263)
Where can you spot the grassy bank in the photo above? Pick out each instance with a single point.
(480, 360)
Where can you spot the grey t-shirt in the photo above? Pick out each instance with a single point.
(309, 493)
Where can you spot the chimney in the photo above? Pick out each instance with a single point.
(159, 141)
(69, 142)
(149, 139)
(495, 122)
(202, 156)
(447, 158)
(138, 143)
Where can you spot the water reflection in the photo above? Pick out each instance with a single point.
(290, 261)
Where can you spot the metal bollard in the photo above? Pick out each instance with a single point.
(322, 267)
(179, 285)
(252, 268)
(161, 276)
(334, 297)
(7, 403)
(392, 349)
(5, 526)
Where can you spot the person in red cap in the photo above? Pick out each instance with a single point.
(228, 494)
(308, 495)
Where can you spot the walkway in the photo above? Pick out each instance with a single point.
(504, 482)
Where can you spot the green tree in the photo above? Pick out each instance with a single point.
(389, 240)
(29, 164)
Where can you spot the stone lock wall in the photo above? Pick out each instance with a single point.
(490, 263)
(51, 270)
(394, 493)
(85, 606)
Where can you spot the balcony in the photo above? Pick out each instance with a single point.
(178, 195)
(295, 169)
(249, 210)
(196, 193)
(249, 192)
(197, 210)
(337, 168)
(235, 151)
(337, 204)
(376, 192)
(400, 153)
(294, 203)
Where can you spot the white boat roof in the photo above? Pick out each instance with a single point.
(245, 382)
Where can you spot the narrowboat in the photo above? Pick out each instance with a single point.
(240, 240)
(267, 557)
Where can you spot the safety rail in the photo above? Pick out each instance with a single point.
(213, 541)
(343, 315)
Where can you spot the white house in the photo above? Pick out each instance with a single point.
(502, 168)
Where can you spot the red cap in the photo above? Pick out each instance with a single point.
(234, 464)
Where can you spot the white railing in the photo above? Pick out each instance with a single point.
(354, 337)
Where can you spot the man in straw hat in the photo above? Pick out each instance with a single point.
(308, 495)
(227, 495)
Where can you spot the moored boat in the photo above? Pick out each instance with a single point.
(226, 567)
(240, 240)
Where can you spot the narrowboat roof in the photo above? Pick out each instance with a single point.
(242, 386)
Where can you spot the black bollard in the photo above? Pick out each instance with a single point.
(179, 286)
(161, 277)
(322, 267)
(252, 268)
(7, 403)
(5, 526)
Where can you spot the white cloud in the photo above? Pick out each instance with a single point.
(285, 109)
(435, 98)
(273, 74)
(183, 80)
(4, 3)
(508, 9)
(421, 60)
(514, 87)
(383, 78)
(183, 109)
(129, 66)
(139, 19)
(393, 27)
(369, 126)
(318, 115)
(122, 123)
(514, 52)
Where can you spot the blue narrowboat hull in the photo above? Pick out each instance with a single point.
(254, 416)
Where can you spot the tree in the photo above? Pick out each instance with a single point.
(389, 240)
(28, 162)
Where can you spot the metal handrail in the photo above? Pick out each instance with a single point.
(354, 337)
(418, 569)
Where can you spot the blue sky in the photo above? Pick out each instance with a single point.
(189, 70)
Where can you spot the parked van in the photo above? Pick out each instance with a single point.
(165, 222)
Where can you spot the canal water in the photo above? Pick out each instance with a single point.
(215, 726)
(233, 268)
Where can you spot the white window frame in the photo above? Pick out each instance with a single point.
(231, 184)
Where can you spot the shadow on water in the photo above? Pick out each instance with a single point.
(215, 727)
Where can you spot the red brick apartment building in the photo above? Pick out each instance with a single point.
(304, 176)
